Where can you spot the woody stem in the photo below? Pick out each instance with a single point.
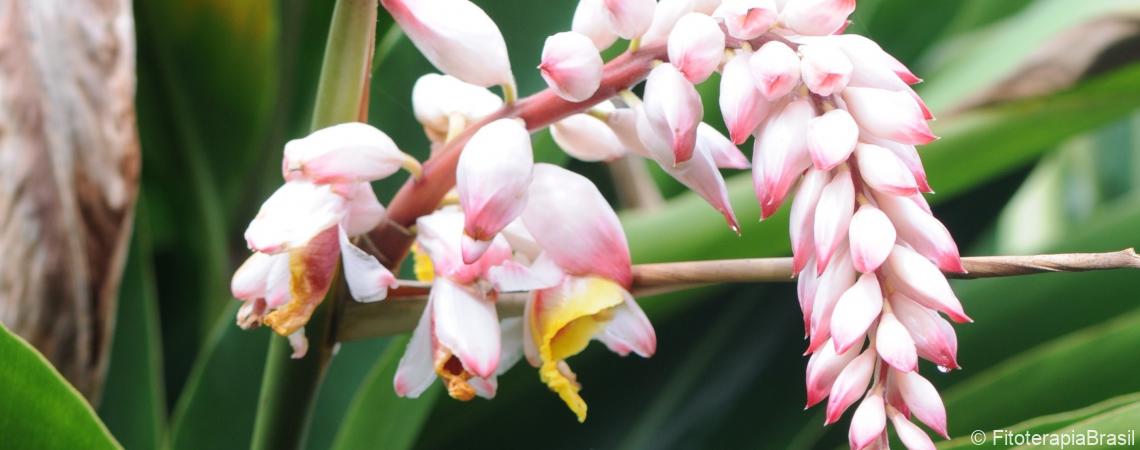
(400, 312)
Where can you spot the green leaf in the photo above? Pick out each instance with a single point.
(1115, 407)
(377, 417)
(216, 408)
(976, 61)
(134, 398)
(1020, 387)
(41, 410)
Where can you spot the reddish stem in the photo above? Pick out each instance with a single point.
(420, 197)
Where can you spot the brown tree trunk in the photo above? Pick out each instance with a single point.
(69, 171)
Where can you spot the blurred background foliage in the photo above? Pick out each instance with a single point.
(223, 84)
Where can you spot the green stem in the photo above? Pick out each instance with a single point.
(289, 387)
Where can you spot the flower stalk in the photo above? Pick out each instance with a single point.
(399, 314)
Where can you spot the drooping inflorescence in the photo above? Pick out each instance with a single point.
(834, 123)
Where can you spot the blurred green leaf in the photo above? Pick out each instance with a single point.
(134, 400)
(41, 410)
(1122, 406)
(347, 373)
(973, 62)
(378, 418)
(216, 409)
(1041, 380)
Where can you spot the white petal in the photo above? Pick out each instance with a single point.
(467, 325)
(368, 280)
(457, 37)
(293, 215)
(345, 153)
(629, 330)
(587, 138)
(416, 370)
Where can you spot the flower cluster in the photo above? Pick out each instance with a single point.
(303, 228)
(834, 124)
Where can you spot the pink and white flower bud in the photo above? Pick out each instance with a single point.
(802, 217)
(457, 37)
(492, 176)
(872, 64)
(816, 17)
(823, 368)
(807, 282)
(666, 15)
(868, 423)
(696, 46)
(909, 156)
(629, 18)
(724, 153)
(883, 171)
(933, 337)
(672, 110)
(824, 68)
(775, 69)
(587, 138)
(832, 216)
(780, 155)
(741, 104)
(849, 385)
(571, 66)
(591, 20)
(835, 281)
(831, 138)
(575, 226)
(912, 437)
(926, 234)
(437, 100)
(922, 399)
(855, 311)
(894, 343)
(920, 280)
(700, 174)
(872, 237)
(747, 19)
(888, 114)
(345, 153)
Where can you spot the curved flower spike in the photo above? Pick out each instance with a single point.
(776, 69)
(780, 155)
(571, 66)
(831, 138)
(888, 114)
(575, 225)
(696, 46)
(587, 138)
(444, 104)
(816, 17)
(346, 153)
(629, 18)
(591, 20)
(671, 112)
(492, 177)
(872, 237)
(457, 37)
(824, 68)
(560, 321)
(747, 19)
(741, 104)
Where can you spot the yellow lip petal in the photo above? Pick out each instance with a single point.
(564, 320)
